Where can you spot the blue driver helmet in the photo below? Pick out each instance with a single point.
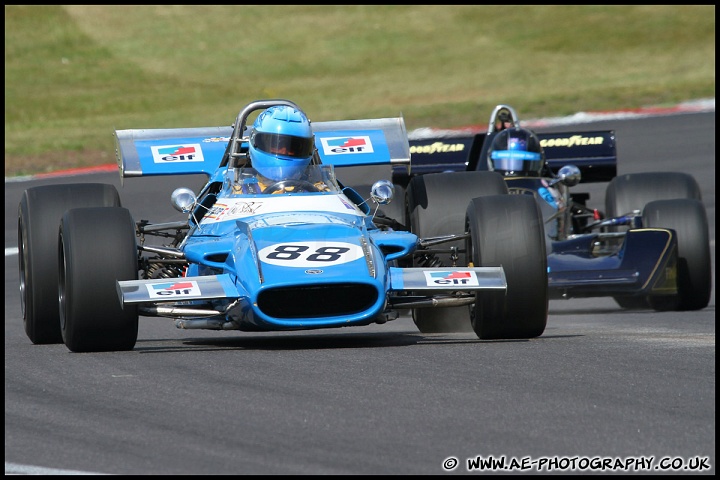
(281, 144)
(516, 152)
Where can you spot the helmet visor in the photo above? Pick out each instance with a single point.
(283, 145)
(516, 161)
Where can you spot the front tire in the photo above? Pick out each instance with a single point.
(694, 277)
(39, 214)
(626, 193)
(507, 231)
(436, 206)
(97, 247)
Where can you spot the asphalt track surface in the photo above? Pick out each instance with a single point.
(601, 387)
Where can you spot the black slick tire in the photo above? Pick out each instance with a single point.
(436, 206)
(629, 192)
(694, 276)
(97, 247)
(508, 231)
(39, 214)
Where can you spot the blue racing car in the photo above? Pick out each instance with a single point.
(274, 241)
(649, 248)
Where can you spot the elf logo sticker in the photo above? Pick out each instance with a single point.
(466, 278)
(346, 145)
(173, 289)
(177, 153)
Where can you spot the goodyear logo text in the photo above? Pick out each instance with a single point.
(437, 147)
(572, 141)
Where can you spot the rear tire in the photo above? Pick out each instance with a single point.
(436, 206)
(39, 214)
(633, 191)
(508, 231)
(694, 277)
(97, 247)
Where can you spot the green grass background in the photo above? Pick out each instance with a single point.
(74, 74)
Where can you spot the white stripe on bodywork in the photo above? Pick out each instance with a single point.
(243, 207)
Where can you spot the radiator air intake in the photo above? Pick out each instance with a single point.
(319, 301)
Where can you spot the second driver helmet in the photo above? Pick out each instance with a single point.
(516, 152)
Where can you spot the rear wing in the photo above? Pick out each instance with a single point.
(594, 152)
(186, 151)
(379, 141)
(170, 151)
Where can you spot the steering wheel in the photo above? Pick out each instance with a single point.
(296, 185)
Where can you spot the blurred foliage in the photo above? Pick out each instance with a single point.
(74, 74)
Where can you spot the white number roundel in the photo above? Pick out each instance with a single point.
(310, 254)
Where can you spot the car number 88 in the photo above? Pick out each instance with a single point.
(309, 254)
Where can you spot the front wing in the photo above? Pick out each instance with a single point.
(217, 302)
(645, 265)
(222, 286)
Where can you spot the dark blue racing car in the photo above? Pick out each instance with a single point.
(649, 248)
